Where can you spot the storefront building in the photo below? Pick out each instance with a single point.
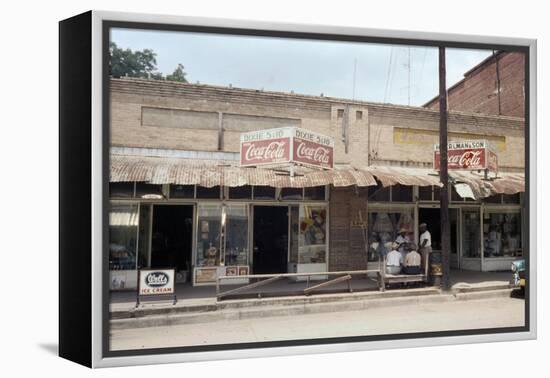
(181, 196)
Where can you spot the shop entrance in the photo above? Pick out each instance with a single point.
(171, 237)
(432, 217)
(270, 239)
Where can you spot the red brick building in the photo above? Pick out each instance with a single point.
(495, 86)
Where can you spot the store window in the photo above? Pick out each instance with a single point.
(315, 193)
(144, 190)
(312, 241)
(123, 235)
(511, 198)
(236, 234)
(379, 193)
(264, 193)
(144, 235)
(240, 192)
(401, 193)
(121, 189)
(471, 233)
(208, 234)
(384, 227)
(208, 193)
(502, 233)
(288, 194)
(182, 191)
(425, 193)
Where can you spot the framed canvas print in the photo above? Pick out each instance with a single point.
(232, 189)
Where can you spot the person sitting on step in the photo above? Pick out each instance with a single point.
(394, 260)
(412, 263)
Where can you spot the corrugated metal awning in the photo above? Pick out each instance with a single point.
(209, 173)
(505, 183)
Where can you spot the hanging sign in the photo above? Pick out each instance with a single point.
(468, 155)
(287, 145)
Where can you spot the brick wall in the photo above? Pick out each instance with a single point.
(347, 251)
(477, 92)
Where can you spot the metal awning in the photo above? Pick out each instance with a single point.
(504, 183)
(209, 173)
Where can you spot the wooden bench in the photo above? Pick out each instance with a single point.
(386, 278)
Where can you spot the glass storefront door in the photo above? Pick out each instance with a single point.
(471, 239)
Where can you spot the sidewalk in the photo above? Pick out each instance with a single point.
(199, 304)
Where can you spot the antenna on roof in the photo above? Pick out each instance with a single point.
(354, 77)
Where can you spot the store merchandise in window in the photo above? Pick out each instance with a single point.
(502, 234)
(313, 234)
(208, 234)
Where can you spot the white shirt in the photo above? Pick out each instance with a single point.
(426, 236)
(394, 258)
(412, 259)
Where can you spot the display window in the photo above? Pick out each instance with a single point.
(123, 236)
(502, 233)
(471, 246)
(222, 234)
(236, 234)
(386, 226)
(312, 240)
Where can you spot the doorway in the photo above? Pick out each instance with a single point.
(432, 217)
(270, 239)
(172, 237)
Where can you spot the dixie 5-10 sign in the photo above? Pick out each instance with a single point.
(156, 281)
(287, 145)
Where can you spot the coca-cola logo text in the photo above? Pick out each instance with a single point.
(273, 151)
(316, 154)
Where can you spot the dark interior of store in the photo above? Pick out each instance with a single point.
(171, 243)
(432, 217)
(270, 239)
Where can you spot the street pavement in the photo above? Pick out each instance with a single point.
(422, 317)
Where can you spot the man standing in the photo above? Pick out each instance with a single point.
(425, 242)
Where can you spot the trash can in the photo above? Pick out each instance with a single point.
(436, 268)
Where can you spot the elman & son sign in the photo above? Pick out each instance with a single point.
(468, 155)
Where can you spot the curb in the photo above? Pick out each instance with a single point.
(265, 310)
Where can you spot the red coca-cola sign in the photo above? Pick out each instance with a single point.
(287, 145)
(468, 155)
(265, 151)
(311, 153)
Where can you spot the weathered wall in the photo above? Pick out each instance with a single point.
(158, 114)
(347, 246)
(478, 93)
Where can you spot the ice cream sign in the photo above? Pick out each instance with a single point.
(287, 145)
(468, 155)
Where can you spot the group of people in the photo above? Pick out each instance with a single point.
(404, 257)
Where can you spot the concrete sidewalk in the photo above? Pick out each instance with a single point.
(472, 285)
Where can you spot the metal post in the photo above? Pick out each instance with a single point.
(443, 173)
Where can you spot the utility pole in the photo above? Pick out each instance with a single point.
(443, 173)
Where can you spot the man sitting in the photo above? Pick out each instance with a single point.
(394, 260)
(412, 263)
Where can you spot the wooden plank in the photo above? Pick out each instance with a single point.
(250, 286)
(328, 283)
